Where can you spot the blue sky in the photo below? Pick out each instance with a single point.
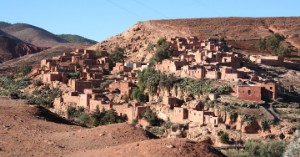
(100, 19)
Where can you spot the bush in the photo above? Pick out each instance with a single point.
(248, 118)
(73, 75)
(268, 149)
(117, 55)
(163, 51)
(168, 125)
(37, 83)
(151, 117)
(125, 97)
(134, 122)
(105, 117)
(258, 149)
(272, 43)
(265, 125)
(138, 95)
(71, 111)
(157, 130)
(104, 84)
(293, 148)
(224, 138)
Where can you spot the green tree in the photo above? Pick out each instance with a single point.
(163, 51)
(117, 55)
(151, 117)
(167, 81)
(261, 44)
(149, 79)
(138, 94)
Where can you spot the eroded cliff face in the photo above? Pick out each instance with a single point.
(241, 33)
(10, 48)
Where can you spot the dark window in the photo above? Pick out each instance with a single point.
(271, 88)
(249, 92)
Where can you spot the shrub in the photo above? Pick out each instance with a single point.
(168, 125)
(151, 117)
(224, 138)
(134, 122)
(265, 125)
(71, 111)
(125, 97)
(37, 83)
(157, 130)
(105, 84)
(138, 95)
(117, 55)
(163, 51)
(84, 118)
(248, 119)
(268, 149)
(73, 75)
(105, 117)
(293, 148)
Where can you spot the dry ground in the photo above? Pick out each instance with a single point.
(34, 131)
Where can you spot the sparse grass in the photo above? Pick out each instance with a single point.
(288, 112)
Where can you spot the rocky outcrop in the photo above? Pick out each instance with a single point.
(12, 48)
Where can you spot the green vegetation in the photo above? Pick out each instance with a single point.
(44, 96)
(294, 147)
(105, 117)
(134, 122)
(272, 43)
(24, 69)
(10, 86)
(37, 83)
(157, 130)
(94, 119)
(168, 124)
(139, 96)
(258, 149)
(105, 84)
(163, 50)
(117, 55)
(224, 138)
(74, 75)
(265, 124)
(152, 80)
(152, 118)
(76, 39)
(248, 118)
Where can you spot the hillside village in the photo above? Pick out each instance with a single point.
(213, 89)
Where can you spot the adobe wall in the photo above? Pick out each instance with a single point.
(81, 85)
(196, 116)
(179, 115)
(212, 75)
(84, 101)
(250, 93)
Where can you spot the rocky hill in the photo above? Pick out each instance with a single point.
(32, 34)
(17, 40)
(76, 39)
(12, 47)
(241, 32)
(40, 37)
